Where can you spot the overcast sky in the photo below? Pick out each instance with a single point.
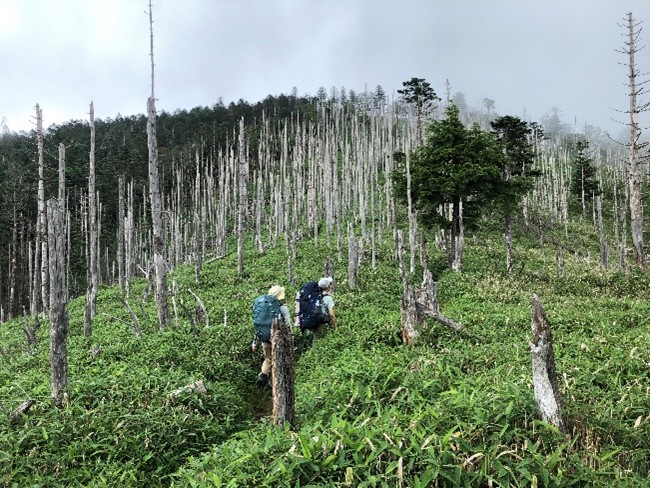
(527, 55)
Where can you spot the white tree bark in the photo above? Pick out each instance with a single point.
(42, 219)
(242, 180)
(547, 395)
(282, 374)
(634, 176)
(156, 200)
(93, 273)
(58, 311)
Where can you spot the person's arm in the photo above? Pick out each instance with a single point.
(332, 317)
(284, 310)
(329, 303)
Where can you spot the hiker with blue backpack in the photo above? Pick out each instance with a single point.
(267, 308)
(315, 307)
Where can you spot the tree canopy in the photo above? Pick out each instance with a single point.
(455, 164)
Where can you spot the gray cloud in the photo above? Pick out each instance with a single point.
(528, 56)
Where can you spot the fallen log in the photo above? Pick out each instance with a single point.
(23, 408)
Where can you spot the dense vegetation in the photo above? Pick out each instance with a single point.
(121, 150)
(456, 410)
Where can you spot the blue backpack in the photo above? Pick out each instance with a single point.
(265, 309)
(311, 313)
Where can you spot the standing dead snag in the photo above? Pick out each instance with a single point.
(284, 398)
(58, 310)
(156, 200)
(93, 273)
(547, 395)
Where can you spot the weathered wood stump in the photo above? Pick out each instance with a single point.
(282, 374)
(547, 394)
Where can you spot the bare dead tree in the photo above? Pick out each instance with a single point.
(57, 294)
(242, 179)
(353, 258)
(62, 173)
(547, 394)
(604, 246)
(634, 176)
(93, 273)
(40, 261)
(120, 233)
(156, 199)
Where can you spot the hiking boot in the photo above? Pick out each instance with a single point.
(262, 380)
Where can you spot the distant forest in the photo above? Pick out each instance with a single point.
(184, 137)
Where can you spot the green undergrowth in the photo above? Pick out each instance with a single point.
(456, 409)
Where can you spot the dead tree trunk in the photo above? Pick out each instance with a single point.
(120, 233)
(634, 177)
(42, 219)
(353, 258)
(93, 278)
(242, 179)
(58, 310)
(284, 398)
(411, 316)
(507, 234)
(547, 394)
(427, 301)
(329, 271)
(156, 200)
(604, 247)
(411, 215)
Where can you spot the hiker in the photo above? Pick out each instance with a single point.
(266, 308)
(315, 307)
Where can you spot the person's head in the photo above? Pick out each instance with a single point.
(325, 283)
(277, 291)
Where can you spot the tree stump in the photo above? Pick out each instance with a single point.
(282, 374)
(427, 301)
(547, 395)
(411, 315)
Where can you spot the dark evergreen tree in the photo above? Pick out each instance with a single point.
(454, 165)
(514, 136)
(418, 93)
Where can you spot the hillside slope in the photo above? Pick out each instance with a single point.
(455, 410)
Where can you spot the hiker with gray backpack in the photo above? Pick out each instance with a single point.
(315, 308)
(267, 308)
